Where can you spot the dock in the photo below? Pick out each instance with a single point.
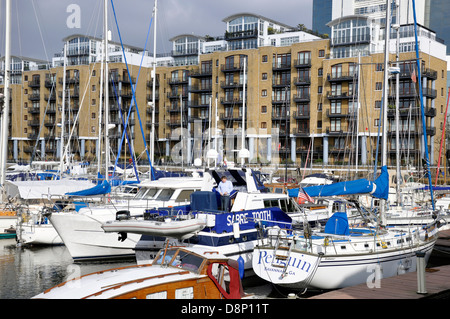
(399, 287)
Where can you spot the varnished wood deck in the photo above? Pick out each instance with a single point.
(398, 287)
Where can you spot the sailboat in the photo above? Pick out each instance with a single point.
(341, 255)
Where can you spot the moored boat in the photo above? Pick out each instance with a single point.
(176, 273)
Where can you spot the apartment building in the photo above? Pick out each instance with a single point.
(301, 97)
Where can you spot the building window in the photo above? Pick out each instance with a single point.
(92, 129)
(319, 89)
(93, 102)
(264, 58)
(264, 93)
(379, 67)
(319, 107)
(376, 122)
(320, 72)
(378, 104)
(263, 125)
(264, 76)
(321, 53)
(264, 109)
(93, 88)
(93, 73)
(319, 124)
(378, 86)
(93, 116)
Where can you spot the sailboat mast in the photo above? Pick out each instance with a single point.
(384, 142)
(152, 134)
(422, 111)
(100, 109)
(6, 108)
(397, 105)
(106, 93)
(63, 116)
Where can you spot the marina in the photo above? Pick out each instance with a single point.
(338, 194)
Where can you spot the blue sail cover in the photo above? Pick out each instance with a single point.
(101, 189)
(379, 188)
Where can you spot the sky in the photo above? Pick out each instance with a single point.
(38, 26)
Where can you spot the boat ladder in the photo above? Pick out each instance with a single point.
(282, 252)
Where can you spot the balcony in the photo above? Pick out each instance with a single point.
(349, 40)
(230, 116)
(232, 67)
(281, 101)
(35, 83)
(185, 52)
(281, 83)
(34, 97)
(34, 110)
(337, 131)
(301, 115)
(49, 83)
(198, 104)
(230, 85)
(150, 97)
(281, 66)
(150, 84)
(341, 113)
(340, 95)
(202, 73)
(178, 81)
(305, 80)
(241, 35)
(231, 100)
(302, 63)
(34, 123)
(413, 92)
(299, 98)
(280, 116)
(176, 95)
(50, 97)
(342, 76)
(301, 131)
(201, 88)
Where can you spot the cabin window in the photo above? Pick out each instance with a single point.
(270, 203)
(184, 195)
(284, 205)
(157, 295)
(146, 193)
(184, 293)
(165, 194)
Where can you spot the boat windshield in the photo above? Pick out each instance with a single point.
(167, 257)
(146, 193)
(179, 259)
(187, 261)
(165, 194)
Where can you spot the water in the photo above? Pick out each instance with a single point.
(28, 271)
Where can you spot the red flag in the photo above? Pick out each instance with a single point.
(303, 197)
(413, 75)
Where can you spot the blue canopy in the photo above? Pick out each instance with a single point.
(101, 189)
(379, 188)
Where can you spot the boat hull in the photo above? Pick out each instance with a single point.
(337, 271)
(84, 237)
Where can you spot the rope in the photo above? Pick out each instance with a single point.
(133, 90)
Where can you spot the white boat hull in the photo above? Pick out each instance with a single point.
(44, 234)
(85, 239)
(310, 271)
